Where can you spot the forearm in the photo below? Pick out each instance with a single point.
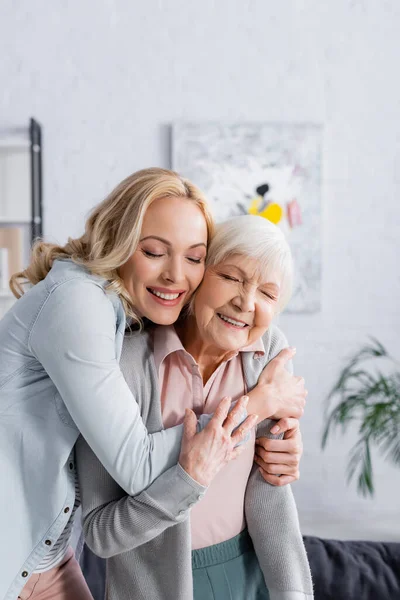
(113, 523)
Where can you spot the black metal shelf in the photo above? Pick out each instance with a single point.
(31, 138)
(35, 135)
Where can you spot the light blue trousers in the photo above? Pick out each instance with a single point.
(228, 571)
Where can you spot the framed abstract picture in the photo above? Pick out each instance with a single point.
(267, 169)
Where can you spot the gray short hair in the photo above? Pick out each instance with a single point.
(257, 238)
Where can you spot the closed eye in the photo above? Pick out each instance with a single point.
(151, 254)
(196, 261)
(229, 278)
(268, 295)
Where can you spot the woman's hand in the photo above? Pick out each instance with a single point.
(278, 394)
(203, 454)
(279, 459)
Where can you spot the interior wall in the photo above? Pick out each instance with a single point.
(106, 79)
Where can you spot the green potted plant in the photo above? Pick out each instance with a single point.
(363, 394)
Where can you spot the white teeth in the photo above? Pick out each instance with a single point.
(228, 320)
(164, 296)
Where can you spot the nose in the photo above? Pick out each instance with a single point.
(246, 300)
(174, 271)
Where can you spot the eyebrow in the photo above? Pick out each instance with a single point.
(164, 241)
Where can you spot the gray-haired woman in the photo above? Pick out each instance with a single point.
(241, 539)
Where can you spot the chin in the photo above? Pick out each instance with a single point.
(163, 319)
(230, 345)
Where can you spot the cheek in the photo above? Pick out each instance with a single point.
(142, 270)
(196, 277)
(265, 316)
(202, 311)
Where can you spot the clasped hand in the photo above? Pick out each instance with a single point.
(280, 396)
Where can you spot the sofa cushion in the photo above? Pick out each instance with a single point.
(345, 570)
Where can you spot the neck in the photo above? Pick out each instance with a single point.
(207, 356)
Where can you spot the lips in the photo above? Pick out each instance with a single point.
(165, 296)
(237, 323)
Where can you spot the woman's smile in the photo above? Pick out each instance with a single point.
(231, 322)
(167, 297)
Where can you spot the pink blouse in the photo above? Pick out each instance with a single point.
(218, 516)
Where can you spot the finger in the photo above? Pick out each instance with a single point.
(294, 435)
(291, 445)
(286, 354)
(275, 480)
(189, 425)
(284, 425)
(275, 458)
(221, 411)
(243, 429)
(237, 451)
(236, 415)
(276, 469)
(297, 411)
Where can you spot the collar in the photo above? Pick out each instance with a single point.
(166, 341)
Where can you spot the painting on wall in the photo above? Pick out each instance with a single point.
(266, 169)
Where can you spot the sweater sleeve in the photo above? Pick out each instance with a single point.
(73, 337)
(273, 522)
(114, 522)
(273, 525)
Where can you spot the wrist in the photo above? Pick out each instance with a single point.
(194, 471)
(262, 401)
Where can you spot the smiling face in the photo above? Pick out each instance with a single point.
(168, 264)
(235, 305)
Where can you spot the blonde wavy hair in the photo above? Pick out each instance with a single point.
(112, 231)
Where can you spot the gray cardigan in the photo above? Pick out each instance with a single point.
(146, 538)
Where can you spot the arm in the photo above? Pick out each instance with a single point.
(273, 523)
(73, 337)
(114, 522)
(280, 395)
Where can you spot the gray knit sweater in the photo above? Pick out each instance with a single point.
(146, 538)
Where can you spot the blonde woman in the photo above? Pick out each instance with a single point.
(241, 541)
(60, 346)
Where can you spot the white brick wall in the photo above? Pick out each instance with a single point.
(105, 79)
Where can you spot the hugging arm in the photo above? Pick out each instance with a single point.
(78, 354)
(114, 522)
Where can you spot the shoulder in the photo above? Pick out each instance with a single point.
(274, 341)
(137, 348)
(138, 340)
(75, 297)
(76, 283)
(138, 367)
(64, 272)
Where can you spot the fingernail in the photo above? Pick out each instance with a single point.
(245, 400)
(293, 349)
(275, 429)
